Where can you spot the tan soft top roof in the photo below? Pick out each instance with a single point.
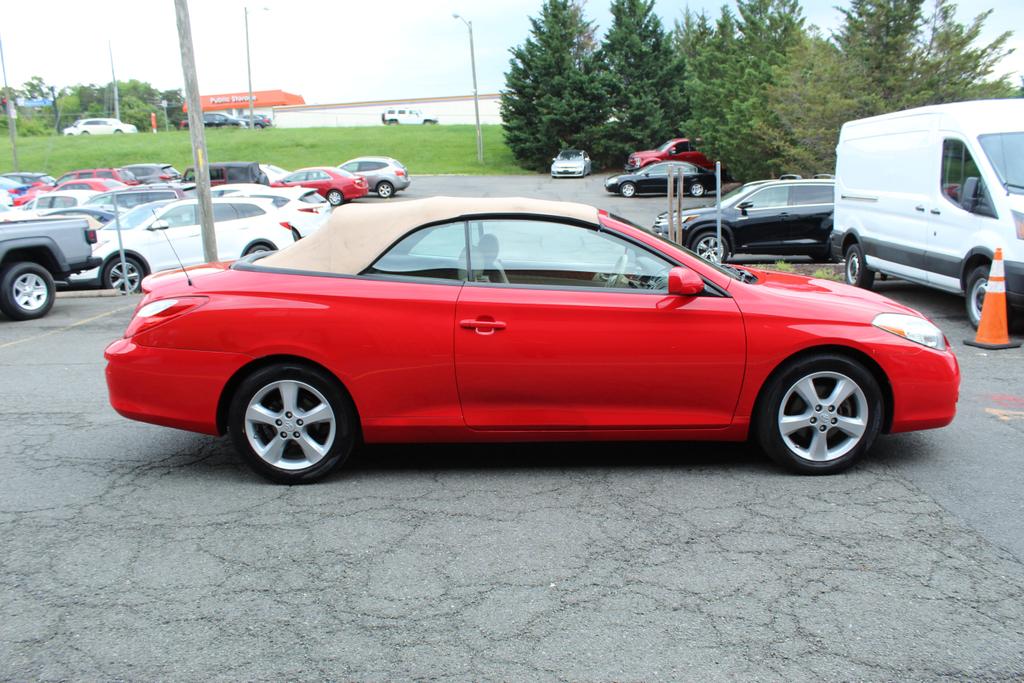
(357, 234)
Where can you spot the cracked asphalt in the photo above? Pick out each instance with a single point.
(133, 552)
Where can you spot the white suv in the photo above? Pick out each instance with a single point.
(393, 117)
(243, 226)
(99, 127)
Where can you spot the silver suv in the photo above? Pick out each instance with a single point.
(384, 175)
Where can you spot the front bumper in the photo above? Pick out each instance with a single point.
(925, 387)
(835, 245)
(170, 387)
(575, 172)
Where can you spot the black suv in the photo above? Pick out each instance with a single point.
(779, 217)
(154, 173)
(213, 119)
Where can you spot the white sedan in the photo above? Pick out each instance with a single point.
(301, 207)
(99, 127)
(157, 235)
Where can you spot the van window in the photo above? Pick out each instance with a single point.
(960, 173)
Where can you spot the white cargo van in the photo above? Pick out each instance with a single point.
(928, 194)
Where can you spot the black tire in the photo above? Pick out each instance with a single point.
(335, 198)
(627, 189)
(855, 269)
(767, 420)
(118, 132)
(695, 243)
(345, 433)
(16, 301)
(258, 247)
(112, 273)
(974, 293)
(385, 190)
(84, 132)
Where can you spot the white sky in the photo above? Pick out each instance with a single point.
(325, 50)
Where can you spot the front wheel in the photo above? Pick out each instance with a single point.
(385, 189)
(116, 276)
(292, 423)
(697, 190)
(705, 244)
(977, 285)
(628, 190)
(26, 291)
(335, 198)
(820, 414)
(857, 272)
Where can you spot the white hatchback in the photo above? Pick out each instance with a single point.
(99, 127)
(156, 236)
(301, 207)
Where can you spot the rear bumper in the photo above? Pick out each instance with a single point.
(169, 387)
(835, 245)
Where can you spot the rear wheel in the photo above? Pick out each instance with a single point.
(335, 198)
(385, 189)
(627, 190)
(857, 272)
(26, 291)
(819, 415)
(118, 131)
(697, 190)
(292, 423)
(114, 274)
(258, 247)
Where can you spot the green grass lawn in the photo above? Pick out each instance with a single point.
(424, 149)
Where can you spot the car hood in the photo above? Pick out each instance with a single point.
(823, 299)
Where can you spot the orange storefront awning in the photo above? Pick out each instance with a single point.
(237, 100)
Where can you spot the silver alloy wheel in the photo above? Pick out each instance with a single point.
(977, 298)
(117, 276)
(852, 267)
(290, 425)
(697, 190)
(384, 190)
(707, 248)
(335, 198)
(30, 292)
(822, 428)
(628, 190)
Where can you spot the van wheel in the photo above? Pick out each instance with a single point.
(977, 285)
(857, 273)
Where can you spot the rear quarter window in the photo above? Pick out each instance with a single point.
(247, 210)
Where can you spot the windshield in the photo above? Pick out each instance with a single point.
(570, 154)
(137, 216)
(1005, 151)
(665, 145)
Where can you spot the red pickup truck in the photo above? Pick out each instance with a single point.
(676, 149)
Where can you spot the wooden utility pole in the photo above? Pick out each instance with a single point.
(196, 131)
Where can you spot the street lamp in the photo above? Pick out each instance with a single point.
(248, 67)
(476, 97)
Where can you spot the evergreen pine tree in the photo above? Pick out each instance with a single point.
(554, 88)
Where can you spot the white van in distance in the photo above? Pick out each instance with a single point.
(928, 194)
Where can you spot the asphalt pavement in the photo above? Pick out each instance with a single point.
(134, 552)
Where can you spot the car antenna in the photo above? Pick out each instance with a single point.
(178, 258)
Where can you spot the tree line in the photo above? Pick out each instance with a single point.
(136, 99)
(758, 87)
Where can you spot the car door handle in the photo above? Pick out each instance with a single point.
(919, 207)
(482, 326)
(936, 212)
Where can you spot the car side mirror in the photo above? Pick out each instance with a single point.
(159, 225)
(684, 282)
(743, 206)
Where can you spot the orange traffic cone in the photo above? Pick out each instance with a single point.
(992, 332)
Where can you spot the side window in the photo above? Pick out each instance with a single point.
(181, 215)
(105, 174)
(63, 202)
(769, 197)
(804, 195)
(45, 202)
(961, 180)
(248, 210)
(351, 166)
(365, 166)
(435, 252)
(527, 252)
(300, 177)
(224, 212)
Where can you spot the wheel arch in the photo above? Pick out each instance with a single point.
(974, 258)
(226, 394)
(116, 256)
(849, 352)
(701, 228)
(264, 241)
(851, 237)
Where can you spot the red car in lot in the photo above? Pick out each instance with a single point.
(484, 320)
(335, 185)
(121, 175)
(92, 184)
(676, 149)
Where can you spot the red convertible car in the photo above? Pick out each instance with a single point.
(475, 320)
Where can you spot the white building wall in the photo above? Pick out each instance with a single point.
(447, 110)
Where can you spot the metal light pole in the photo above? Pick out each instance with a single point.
(248, 69)
(476, 96)
(12, 111)
(196, 131)
(718, 210)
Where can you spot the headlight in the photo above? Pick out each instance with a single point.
(912, 328)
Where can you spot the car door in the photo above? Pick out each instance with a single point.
(653, 179)
(810, 218)
(565, 327)
(320, 181)
(182, 232)
(762, 223)
(371, 170)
